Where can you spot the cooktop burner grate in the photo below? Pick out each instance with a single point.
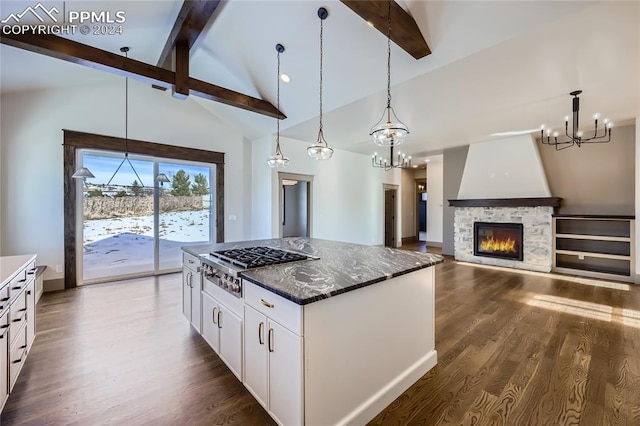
(255, 257)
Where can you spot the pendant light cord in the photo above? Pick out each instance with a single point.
(126, 127)
(278, 150)
(321, 30)
(389, 54)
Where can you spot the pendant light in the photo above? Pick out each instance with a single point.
(162, 178)
(82, 173)
(278, 161)
(389, 131)
(125, 50)
(320, 150)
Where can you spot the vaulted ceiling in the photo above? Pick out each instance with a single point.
(495, 65)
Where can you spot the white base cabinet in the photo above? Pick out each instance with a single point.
(17, 318)
(273, 366)
(222, 329)
(191, 287)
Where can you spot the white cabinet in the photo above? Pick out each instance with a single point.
(222, 329)
(4, 353)
(17, 318)
(273, 354)
(191, 287)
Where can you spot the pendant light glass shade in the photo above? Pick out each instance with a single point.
(82, 173)
(321, 149)
(389, 131)
(278, 161)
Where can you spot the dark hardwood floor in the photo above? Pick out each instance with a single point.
(513, 349)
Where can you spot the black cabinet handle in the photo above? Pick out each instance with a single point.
(29, 292)
(22, 280)
(16, 288)
(4, 299)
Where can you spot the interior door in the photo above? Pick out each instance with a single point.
(389, 217)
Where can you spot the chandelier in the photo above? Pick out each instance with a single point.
(278, 161)
(577, 136)
(321, 149)
(389, 130)
(401, 162)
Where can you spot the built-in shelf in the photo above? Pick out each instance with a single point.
(594, 245)
(593, 237)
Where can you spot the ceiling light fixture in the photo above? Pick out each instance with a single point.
(278, 161)
(389, 131)
(321, 149)
(401, 162)
(82, 173)
(162, 178)
(125, 50)
(285, 78)
(576, 136)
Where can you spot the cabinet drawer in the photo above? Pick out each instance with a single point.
(4, 327)
(17, 316)
(278, 308)
(17, 355)
(4, 298)
(190, 261)
(31, 271)
(18, 283)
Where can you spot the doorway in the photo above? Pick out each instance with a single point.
(295, 205)
(132, 225)
(421, 209)
(390, 195)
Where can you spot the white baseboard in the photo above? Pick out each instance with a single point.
(396, 387)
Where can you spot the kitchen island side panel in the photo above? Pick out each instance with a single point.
(364, 348)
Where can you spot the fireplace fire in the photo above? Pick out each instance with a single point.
(501, 240)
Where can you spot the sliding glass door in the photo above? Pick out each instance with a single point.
(135, 226)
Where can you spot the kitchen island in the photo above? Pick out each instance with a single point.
(329, 340)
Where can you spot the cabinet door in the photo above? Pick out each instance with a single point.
(196, 287)
(30, 294)
(285, 374)
(4, 351)
(186, 293)
(255, 354)
(230, 327)
(210, 314)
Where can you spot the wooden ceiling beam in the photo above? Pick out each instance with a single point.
(192, 18)
(78, 53)
(404, 29)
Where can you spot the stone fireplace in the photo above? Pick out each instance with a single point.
(501, 223)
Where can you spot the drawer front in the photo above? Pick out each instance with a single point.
(18, 283)
(190, 261)
(31, 270)
(17, 355)
(17, 317)
(4, 327)
(278, 308)
(4, 298)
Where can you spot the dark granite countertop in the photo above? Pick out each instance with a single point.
(341, 267)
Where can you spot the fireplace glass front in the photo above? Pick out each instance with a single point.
(500, 240)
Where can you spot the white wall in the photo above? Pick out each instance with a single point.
(435, 191)
(347, 203)
(31, 167)
(408, 197)
(505, 168)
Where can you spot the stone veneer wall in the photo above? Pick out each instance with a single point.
(537, 235)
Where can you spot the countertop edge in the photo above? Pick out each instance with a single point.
(319, 297)
(30, 257)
